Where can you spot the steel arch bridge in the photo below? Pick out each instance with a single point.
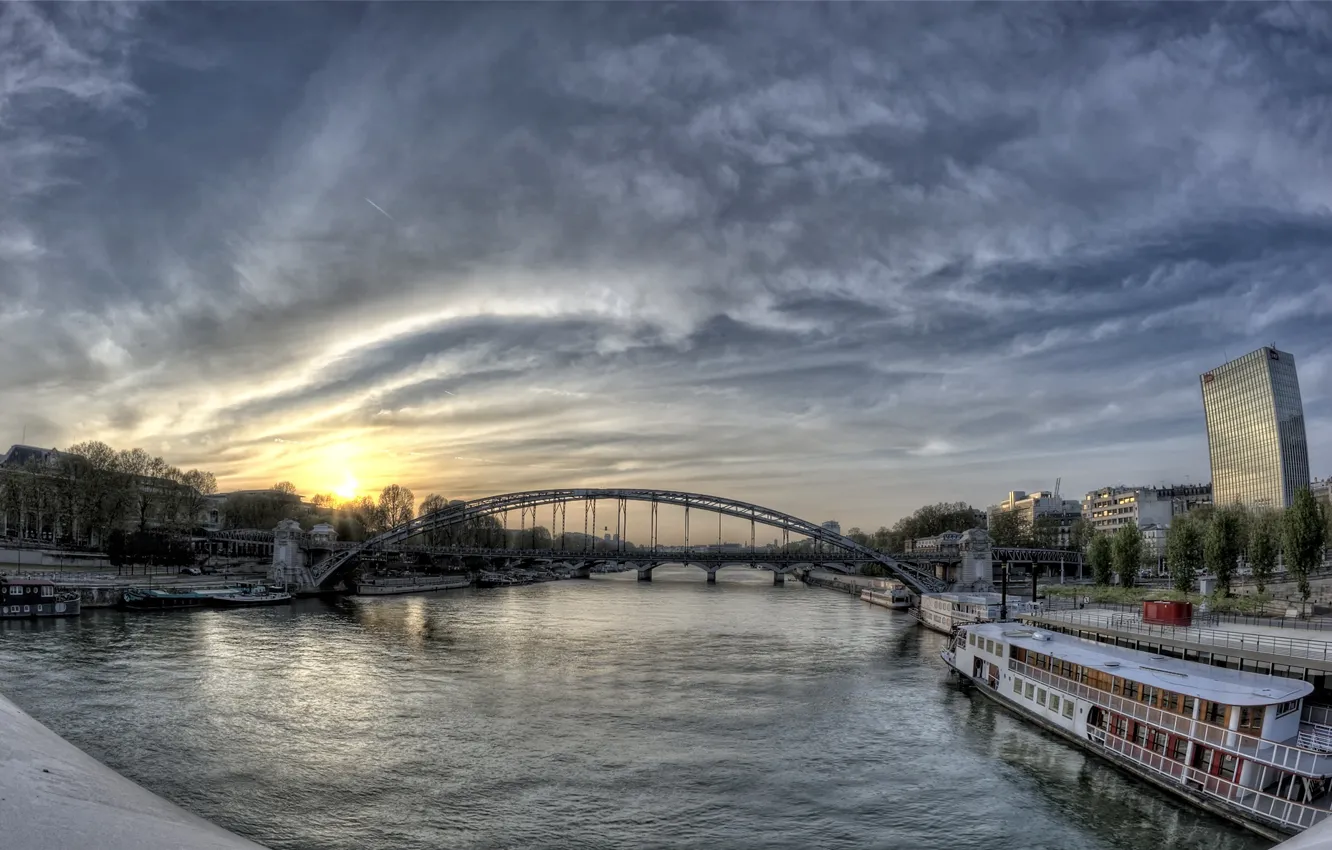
(919, 579)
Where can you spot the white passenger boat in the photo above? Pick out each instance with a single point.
(1231, 742)
(944, 612)
(895, 597)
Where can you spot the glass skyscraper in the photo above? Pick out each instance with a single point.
(1255, 430)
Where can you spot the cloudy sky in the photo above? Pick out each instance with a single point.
(839, 260)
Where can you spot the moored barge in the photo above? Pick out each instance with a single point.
(944, 612)
(152, 599)
(896, 597)
(26, 598)
(1231, 742)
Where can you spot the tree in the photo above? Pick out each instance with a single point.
(429, 505)
(928, 521)
(1045, 532)
(1264, 546)
(1100, 556)
(1010, 528)
(1224, 542)
(1128, 553)
(323, 501)
(284, 487)
(397, 505)
(858, 536)
(1303, 534)
(1184, 552)
(1080, 535)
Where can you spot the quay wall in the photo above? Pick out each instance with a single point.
(54, 796)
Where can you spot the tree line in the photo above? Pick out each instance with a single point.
(1215, 540)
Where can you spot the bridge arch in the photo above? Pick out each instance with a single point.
(917, 578)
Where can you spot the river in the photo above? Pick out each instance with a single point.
(590, 714)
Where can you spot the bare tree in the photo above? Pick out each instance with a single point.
(397, 505)
(284, 487)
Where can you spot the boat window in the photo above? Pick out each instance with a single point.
(1068, 708)
(1130, 689)
(1117, 685)
(48, 590)
(1031, 690)
(1150, 695)
(1040, 696)
(1054, 702)
(1202, 758)
(1017, 686)
(1214, 712)
(1121, 727)
(1287, 707)
(989, 646)
(971, 638)
(1186, 706)
(1140, 731)
(1169, 701)
(1228, 765)
(1159, 742)
(1251, 717)
(1180, 750)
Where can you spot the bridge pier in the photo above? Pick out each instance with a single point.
(778, 579)
(644, 574)
(712, 576)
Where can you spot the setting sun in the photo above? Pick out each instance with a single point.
(348, 489)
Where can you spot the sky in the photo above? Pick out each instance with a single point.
(837, 260)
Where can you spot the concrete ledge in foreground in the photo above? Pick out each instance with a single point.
(54, 796)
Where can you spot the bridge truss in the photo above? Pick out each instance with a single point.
(922, 580)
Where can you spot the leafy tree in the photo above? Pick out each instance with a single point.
(1080, 535)
(1184, 552)
(1045, 532)
(1304, 531)
(929, 521)
(1224, 542)
(858, 536)
(1010, 528)
(1128, 553)
(1100, 557)
(1264, 546)
(323, 501)
(284, 487)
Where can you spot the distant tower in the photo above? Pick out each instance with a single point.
(1255, 430)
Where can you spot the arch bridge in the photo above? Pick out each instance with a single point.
(838, 547)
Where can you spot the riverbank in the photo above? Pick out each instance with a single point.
(54, 795)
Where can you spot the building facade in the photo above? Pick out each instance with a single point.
(1255, 430)
(1111, 508)
(1042, 503)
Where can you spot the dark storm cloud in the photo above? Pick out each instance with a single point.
(893, 245)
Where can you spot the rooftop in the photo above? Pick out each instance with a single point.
(1216, 684)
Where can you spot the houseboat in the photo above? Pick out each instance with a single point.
(1234, 743)
(247, 596)
(390, 586)
(151, 599)
(24, 598)
(943, 612)
(895, 597)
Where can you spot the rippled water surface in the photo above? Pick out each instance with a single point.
(590, 714)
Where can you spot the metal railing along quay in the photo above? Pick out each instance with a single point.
(1218, 638)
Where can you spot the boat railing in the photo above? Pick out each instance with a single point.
(1269, 806)
(1284, 756)
(1320, 715)
(1250, 641)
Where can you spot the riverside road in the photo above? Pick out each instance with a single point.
(601, 714)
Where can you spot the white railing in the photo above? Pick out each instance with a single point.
(1320, 715)
(1251, 642)
(1269, 806)
(1283, 756)
(1315, 737)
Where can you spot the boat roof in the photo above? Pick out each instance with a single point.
(1216, 684)
(31, 582)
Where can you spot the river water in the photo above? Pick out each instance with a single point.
(588, 714)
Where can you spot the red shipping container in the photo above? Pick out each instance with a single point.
(1162, 613)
